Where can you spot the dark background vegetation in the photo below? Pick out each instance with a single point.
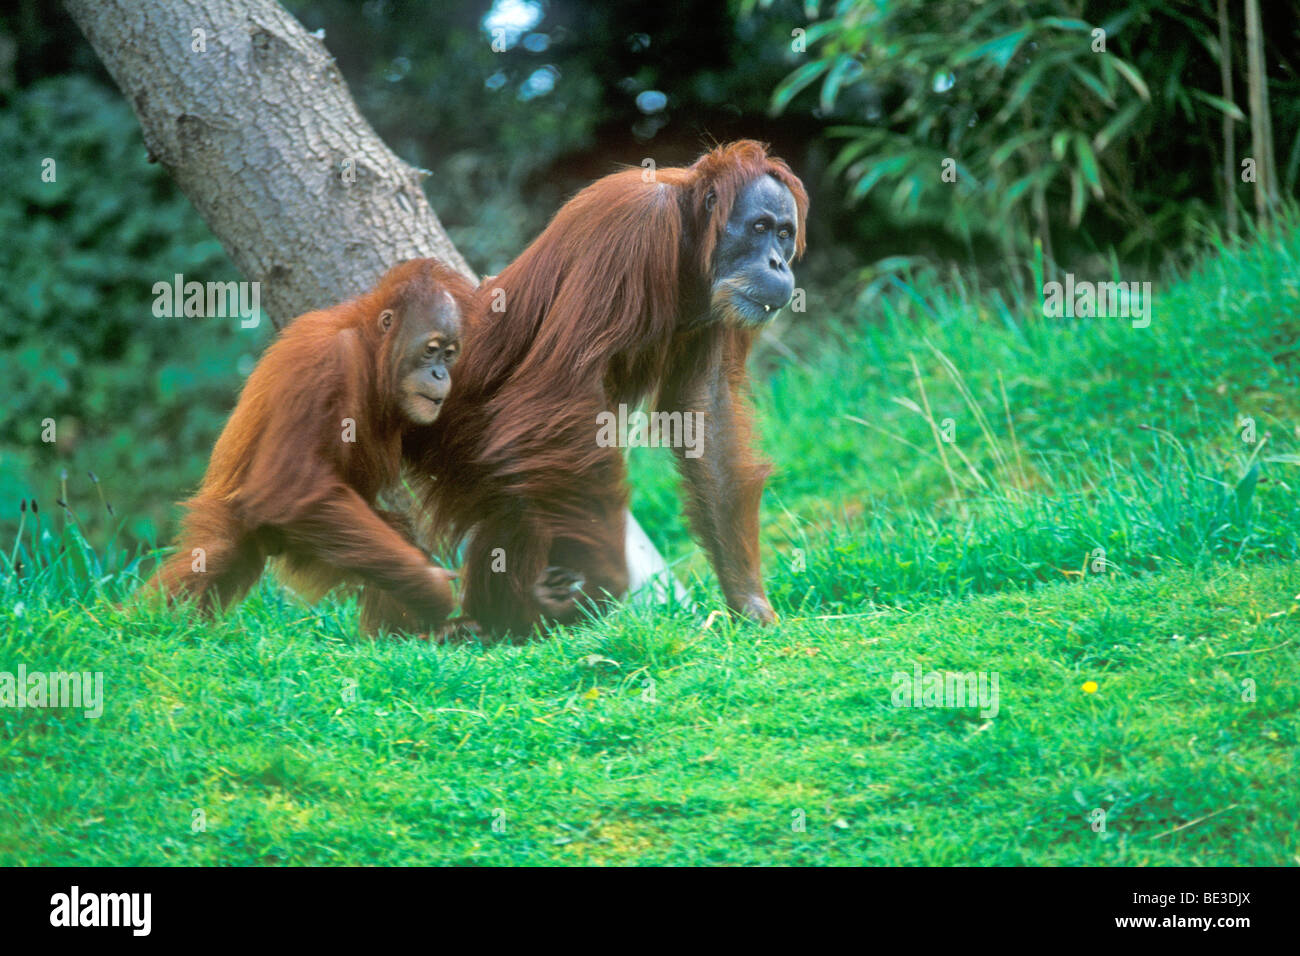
(1099, 161)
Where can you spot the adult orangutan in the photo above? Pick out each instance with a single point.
(316, 436)
(645, 284)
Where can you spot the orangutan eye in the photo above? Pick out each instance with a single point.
(784, 233)
(431, 348)
(760, 226)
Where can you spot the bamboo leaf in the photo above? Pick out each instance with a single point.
(1130, 74)
(1060, 143)
(1117, 123)
(1088, 165)
(845, 68)
(886, 167)
(1013, 145)
(1092, 83)
(1000, 49)
(796, 83)
(1220, 104)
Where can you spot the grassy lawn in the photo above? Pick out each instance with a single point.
(1102, 517)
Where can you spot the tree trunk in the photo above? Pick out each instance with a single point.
(1261, 126)
(1229, 142)
(251, 117)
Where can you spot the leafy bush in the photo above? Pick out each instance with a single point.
(135, 398)
(1050, 122)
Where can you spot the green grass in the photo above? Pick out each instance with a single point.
(1098, 519)
(250, 721)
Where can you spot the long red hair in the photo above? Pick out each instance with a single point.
(587, 317)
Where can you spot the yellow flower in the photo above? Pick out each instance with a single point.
(1090, 687)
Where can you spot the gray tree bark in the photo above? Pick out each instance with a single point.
(248, 113)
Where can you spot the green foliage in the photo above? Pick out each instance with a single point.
(507, 150)
(135, 398)
(51, 557)
(1008, 120)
